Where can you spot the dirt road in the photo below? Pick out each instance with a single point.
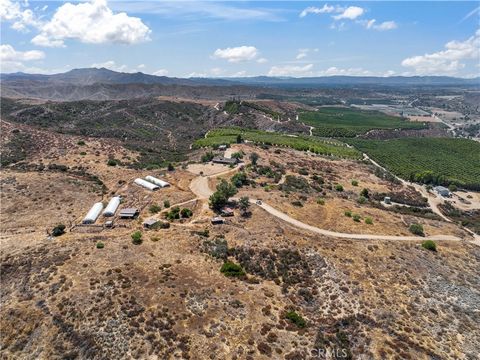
(200, 187)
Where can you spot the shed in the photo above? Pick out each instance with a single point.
(129, 213)
(443, 191)
(225, 161)
(226, 211)
(217, 221)
(156, 181)
(222, 147)
(146, 184)
(112, 206)
(387, 200)
(147, 224)
(93, 213)
(108, 224)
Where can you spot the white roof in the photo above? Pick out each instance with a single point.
(93, 213)
(146, 184)
(156, 181)
(112, 206)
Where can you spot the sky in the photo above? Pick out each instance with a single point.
(242, 38)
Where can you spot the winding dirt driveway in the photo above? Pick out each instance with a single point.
(200, 187)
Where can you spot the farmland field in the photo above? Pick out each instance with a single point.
(347, 122)
(427, 160)
(318, 146)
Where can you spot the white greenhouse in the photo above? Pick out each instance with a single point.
(146, 184)
(93, 213)
(112, 206)
(156, 181)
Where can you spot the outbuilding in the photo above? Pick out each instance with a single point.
(93, 214)
(217, 221)
(442, 191)
(129, 213)
(222, 147)
(156, 181)
(387, 200)
(147, 224)
(146, 184)
(225, 161)
(112, 206)
(226, 211)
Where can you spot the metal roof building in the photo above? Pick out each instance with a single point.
(156, 181)
(149, 223)
(225, 161)
(129, 213)
(93, 213)
(146, 184)
(112, 206)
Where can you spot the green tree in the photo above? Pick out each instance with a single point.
(219, 198)
(429, 245)
(416, 229)
(58, 230)
(365, 193)
(244, 205)
(254, 158)
(239, 139)
(170, 167)
(137, 237)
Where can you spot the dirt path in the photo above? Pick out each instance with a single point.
(200, 187)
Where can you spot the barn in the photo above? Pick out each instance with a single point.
(93, 213)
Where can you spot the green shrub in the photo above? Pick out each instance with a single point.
(356, 217)
(100, 245)
(297, 203)
(303, 171)
(170, 167)
(81, 143)
(186, 213)
(154, 208)
(362, 199)
(83, 153)
(364, 193)
(237, 155)
(429, 245)
(207, 157)
(354, 182)
(112, 162)
(339, 187)
(166, 204)
(231, 269)
(348, 213)
(452, 187)
(296, 319)
(173, 214)
(368, 220)
(58, 230)
(416, 229)
(321, 201)
(137, 237)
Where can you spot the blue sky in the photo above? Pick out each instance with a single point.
(243, 38)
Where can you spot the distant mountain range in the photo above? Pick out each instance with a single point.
(90, 76)
(94, 83)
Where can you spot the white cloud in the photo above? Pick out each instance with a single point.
(315, 10)
(291, 70)
(262, 61)
(8, 53)
(350, 13)
(384, 26)
(18, 14)
(161, 72)
(111, 65)
(448, 61)
(303, 53)
(331, 71)
(236, 54)
(91, 22)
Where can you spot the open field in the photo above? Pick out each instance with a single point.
(167, 298)
(348, 122)
(322, 147)
(428, 160)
